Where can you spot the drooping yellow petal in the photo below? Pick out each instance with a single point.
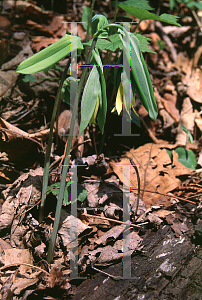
(132, 103)
(93, 118)
(134, 111)
(119, 100)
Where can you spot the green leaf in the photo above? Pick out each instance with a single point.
(192, 4)
(189, 134)
(144, 42)
(135, 119)
(143, 14)
(186, 157)
(168, 19)
(142, 79)
(116, 42)
(81, 192)
(54, 188)
(97, 23)
(85, 14)
(171, 4)
(65, 91)
(117, 74)
(29, 78)
(50, 55)
(143, 4)
(89, 98)
(100, 44)
(126, 90)
(169, 153)
(101, 117)
(81, 196)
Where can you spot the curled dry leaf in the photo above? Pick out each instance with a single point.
(103, 256)
(157, 172)
(23, 193)
(66, 231)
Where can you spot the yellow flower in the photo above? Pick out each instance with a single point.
(93, 118)
(121, 100)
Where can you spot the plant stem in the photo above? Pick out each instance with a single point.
(89, 20)
(67, 159)
(48, 150)
(115, 14)
(88, 26)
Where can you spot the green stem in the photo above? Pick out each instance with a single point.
(67, 159)
(115, 14)
(109, 53)
(88, 26)
(89, 20)
(48, 150)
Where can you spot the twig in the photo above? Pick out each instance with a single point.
(107, 274)
(155, 192)
(113, 220)
(24, 264)
(24, 212)
(20, 135)
(154, 139)
(167, 40)
(138, 182)
(197, 20)
(8, 87)
(62, 157)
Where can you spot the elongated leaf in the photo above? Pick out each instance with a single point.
(101, 117)
(141, 77)
(85, 14)
(50, 55)
(117, 74)
(144, 14)
(89, 98)
(171, 4)
(126, 90)
(188, 132)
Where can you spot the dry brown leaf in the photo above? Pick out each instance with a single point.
(198, 120)
(64, 126)
(39, 44)
(157, 173)
(18, 256)
(170, 106)
(111, 234)
(66, 224)
(25, 191)
(192, 78)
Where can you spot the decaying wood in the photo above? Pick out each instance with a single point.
(166, 268)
